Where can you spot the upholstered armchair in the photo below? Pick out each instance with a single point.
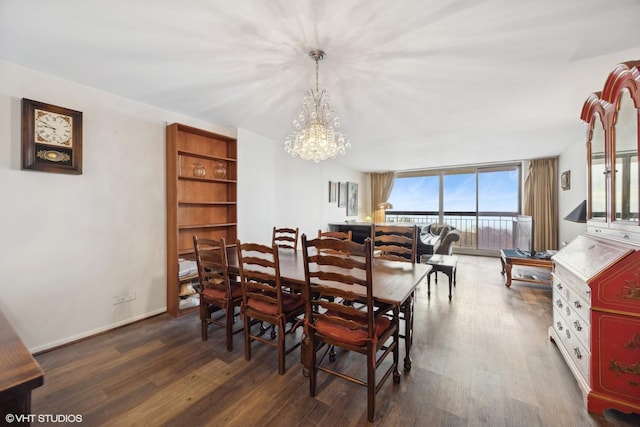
(446, 243)
(437, 239)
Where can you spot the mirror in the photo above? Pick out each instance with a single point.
(625, 160)
(597, 173)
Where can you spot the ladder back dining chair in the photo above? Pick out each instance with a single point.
(398, 243)
(217, 291)
(266, 300)
(395, 242)
(286, 238)
(337, 271)
(341, 235)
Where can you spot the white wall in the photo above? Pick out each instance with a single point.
(573, 159)
(71, 243)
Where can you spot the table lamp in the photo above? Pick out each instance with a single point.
(579, 214)
(384, 206)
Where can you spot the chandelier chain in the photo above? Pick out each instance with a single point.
(317, 72)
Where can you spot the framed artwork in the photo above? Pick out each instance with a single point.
(352, 198)
(51, 138)
(342, 194)
(565, 180)
(333, 192)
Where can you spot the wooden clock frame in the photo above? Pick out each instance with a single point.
(41, 156)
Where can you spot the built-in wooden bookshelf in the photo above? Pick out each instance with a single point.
(201, 200)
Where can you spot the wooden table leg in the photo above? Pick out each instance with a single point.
(408, 331)
(507, 268)
(450, 283)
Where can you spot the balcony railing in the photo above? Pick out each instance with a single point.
(477, 232)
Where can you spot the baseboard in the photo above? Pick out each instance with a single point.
(88, 334)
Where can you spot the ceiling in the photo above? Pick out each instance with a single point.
(416, 83)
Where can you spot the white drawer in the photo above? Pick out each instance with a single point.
(568, 279)
(579, 305)
(580, 356)
(571, 319)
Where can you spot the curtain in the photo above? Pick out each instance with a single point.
(381, 185)
(541, 202)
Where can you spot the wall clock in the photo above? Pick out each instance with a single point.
(51, 138)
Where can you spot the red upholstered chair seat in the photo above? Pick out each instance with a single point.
(219, 294)
(289, 303)
(356, 337)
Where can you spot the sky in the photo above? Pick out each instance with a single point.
(497, 190)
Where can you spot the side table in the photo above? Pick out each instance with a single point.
(446, 264)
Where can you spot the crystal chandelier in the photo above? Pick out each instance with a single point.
(316, 136)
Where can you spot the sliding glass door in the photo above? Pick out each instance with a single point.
(479, 201)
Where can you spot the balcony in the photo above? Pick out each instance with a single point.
(479, 234)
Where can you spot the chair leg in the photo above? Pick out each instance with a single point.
(313, 372)
(229, 323)
(371, 383)
(247, 337)
(204, 325)
(281, 350)
(396, 354)
(263, 328)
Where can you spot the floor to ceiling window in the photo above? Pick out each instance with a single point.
(481, 202)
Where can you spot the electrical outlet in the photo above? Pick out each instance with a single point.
(124, 298)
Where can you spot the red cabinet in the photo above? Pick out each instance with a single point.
(616, 360)
(600, 270)
(596, 320)
(615, 330)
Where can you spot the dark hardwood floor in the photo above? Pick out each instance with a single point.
(483, 359)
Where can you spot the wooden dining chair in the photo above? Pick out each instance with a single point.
(398, 243)
(345, 274)
(286, 238)
(266, 300)
(341, 235)
(395, 242)
(217, 291)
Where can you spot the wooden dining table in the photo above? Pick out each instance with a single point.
(394, 283)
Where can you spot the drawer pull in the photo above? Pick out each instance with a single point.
(577, 304)
(559, 326)
(568, 334)
(577, 353)
(559, 286)
(577, 325)
(559, 304)
(568, 311)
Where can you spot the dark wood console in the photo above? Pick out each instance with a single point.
(359, 230)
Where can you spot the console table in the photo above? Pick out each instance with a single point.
(19, 373)
(511, 257)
